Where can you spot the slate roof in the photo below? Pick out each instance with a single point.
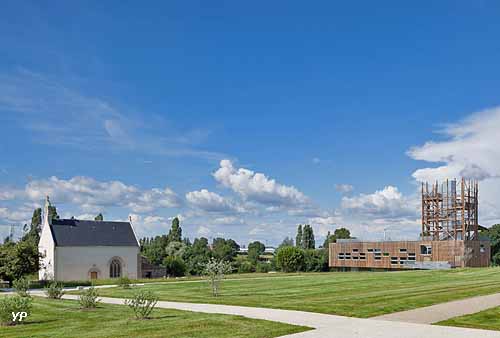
(73, 232)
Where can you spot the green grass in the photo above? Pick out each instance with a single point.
(357, 294)
(61, 318)
(486, 320)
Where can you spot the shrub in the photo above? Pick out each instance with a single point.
(263, 267)
(13, 304)
(124, 282)
(54, 290)
(245, 267)
(214, 271)
(175, 266)
(22, 286)
(88, 298)
(316, 260)
(40, 284)
(290, 259)
(142, 303)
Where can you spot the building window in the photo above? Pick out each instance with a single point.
(402, 250)
(482, 249)
(362, 257)
(394, 260)
(377, 250)
(354, 257)
(355, 250)
(115, 268)
(386, 254)
(426, 249)
(377, 258)
(341, 256)
(370, 250)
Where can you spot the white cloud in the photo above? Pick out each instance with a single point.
(316, 160)
(203, 231)
(257, 186)
(471, 149)
(210, 201)
(344, 188)
(91, 194)
(386, 203)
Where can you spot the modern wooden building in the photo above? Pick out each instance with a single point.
(409, 254)
(449, 238)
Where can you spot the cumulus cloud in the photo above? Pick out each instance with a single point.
(210, 201)
(470, 149)
(257, 187)
(386, 203)
(203, 231)
(344, 188)
(89, 193)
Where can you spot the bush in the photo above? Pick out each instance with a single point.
(175, 266)
(290, 259)
(124, 282)
(142, 303)
(316, 260)
(13, 304)
(263, 267)
(54, 290)
(40, 284)
(88, 298)
(22, 286)
(245, 267)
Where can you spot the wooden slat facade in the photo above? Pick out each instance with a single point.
(395, 254)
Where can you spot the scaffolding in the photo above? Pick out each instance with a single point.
(449, 213)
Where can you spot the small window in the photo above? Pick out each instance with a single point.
(362, 254)
(386, 254)
(355, 250)
(377, 258)
(369, 250)
(377, 250)
(426, 249)
(411, 254)
(362, 257)
(403, 250)
(482, 249)
(377, 254)
(411, 258)
(341, 256)
(355, 257)
(394, 262)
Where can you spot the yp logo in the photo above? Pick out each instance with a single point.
(19, 316)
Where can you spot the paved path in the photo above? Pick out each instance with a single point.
(325, 326)
(443, 311)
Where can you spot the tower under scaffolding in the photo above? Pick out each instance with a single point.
(450, 210)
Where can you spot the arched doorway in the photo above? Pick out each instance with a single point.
(115, 268)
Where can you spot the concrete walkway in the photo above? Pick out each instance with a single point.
(443, 311)
(324, 325)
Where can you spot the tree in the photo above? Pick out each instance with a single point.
(255, 249)
(223, 249)
(53, 212)
(99, 217)
(214, 271)
(176, 249)
(18, 259)
(33, 233)
(341, 233)
(287, 241)
(493, 233)
(308, 237)
(175, 266)
(197, 255)
(290, 259)
(315, 260)
(175, 233)
(298, 238)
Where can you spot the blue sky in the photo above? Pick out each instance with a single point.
(322, 112)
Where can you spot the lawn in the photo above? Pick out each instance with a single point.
(358, 294)
(62, 318)
(486, 320)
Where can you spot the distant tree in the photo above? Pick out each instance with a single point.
(197, 255)
(493, 233)
(175, 265)
(308, 237)
(224, 249)
(290, 259)
(176, 249)
(286, 242)
(341, 233)
(255, 249)
(53, 212)
(99, 217)
(33, 233)
(298, 238)
(175, 233)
